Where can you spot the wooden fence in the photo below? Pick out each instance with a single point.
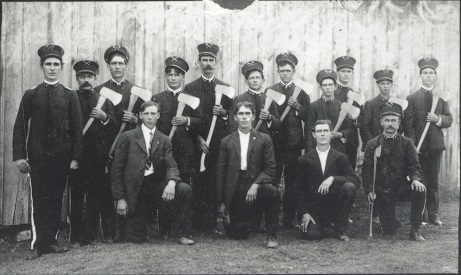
(377, 34)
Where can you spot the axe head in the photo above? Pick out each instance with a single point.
(353, 111)
(192, 101)
(443, 94)
(279, 98)
(112, 95)
(225, 90)
(145, 95)
(402, 102)
(359, 98)
(306, 87)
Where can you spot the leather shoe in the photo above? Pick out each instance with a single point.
(272, 242)
(435, 220)
(416, 236)
(343, 237)
(34, 254)
(185, 241)
(58, 249)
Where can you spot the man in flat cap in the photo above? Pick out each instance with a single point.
(398, 174)
(205, 214)
(328, 107)
(89, 182)
(47, 144)
(345, 71)
(185, 137)
(290, 141)
(416, 116)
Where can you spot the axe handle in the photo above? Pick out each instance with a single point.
(218, 97)
(179, 111)
(342, 116)
(101, 101)
(267, 104)
(296, 93)
(375, 158)
(435, 100)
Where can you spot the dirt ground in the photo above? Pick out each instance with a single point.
(216, 254)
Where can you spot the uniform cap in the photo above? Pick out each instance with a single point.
(286, 57)
(388, 108)
(345, 61)
(208, 49)
(86, 66)
(116, 49)
(177, 62)
(428, 62)
(326, 74)
(50, 51)
(252, 65)
(382, 75)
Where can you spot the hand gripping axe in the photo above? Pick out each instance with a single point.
(348, 108)
(271, 95)
(184, 99)
(104, 93)
(301, 85)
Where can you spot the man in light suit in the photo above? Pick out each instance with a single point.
(145, 176)
(326, 186)
(245, 171)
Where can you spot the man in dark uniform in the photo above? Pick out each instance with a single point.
(290, 140)
(90, 181)
(49, 148)
(326, 186)
(246, 169)
(328, 107)
(398, 160)
(345, 71)
(205, 215)
(185, 136)
(416, 116)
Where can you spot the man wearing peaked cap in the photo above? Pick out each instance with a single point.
(205, 214)
(289, 141)
(398, 174)
(345, 71)
(327, 107)
(47, 143)
(434, 143)
(116, 49)
(90, 180)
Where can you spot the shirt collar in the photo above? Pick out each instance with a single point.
(243, 134)
(391, 137)
(48, 83)
(382, 98)
(255, 92)
(288, 85)
(325, 152)
(424, 89)
(146, 131)
(327, 100)
(342, 85)
(118, 83)
(211, 79)
(177, 91)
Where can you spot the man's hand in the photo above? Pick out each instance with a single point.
(129, 117)
(202, 145)
(99, 114)
(293, 102)
(168, 192)
(122, 207)
(325, 186)
(431, 117)
(336, 135)
(307, 218)
(179, 120)
(252, 192)
(371, 197)
(218, 110)
(222, 209)
(23, 166)
(265, 115)
(74, 164)
(418, 186)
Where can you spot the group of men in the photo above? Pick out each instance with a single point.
(194, 153)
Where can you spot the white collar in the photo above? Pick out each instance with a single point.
(253, 91)
(343, 85)
(146, 131)
(209, 79)
(174, 91)
(118, 83)
(429, 89)
(286, 85)
(323, 153)
(243, 134)
(51, 83)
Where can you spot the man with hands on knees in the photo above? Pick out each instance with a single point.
(326, 186)
(145, 177)
(396, 166)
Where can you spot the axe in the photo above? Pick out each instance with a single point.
(219, 91)
(375, 160)
(104, 93)
(402, 102)
(346, 108)
(435, 100)
(300, 86)
(135, 93)
(271, 95)
(184, 99)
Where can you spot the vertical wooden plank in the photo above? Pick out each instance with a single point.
(194, 15)
(265, 42)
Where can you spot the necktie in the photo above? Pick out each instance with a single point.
(148, 161)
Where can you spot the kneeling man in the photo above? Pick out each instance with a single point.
(326, 186)
(245, 172)
(146, 177)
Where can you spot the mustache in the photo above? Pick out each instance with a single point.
(208, 67)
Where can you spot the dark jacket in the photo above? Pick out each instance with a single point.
(128, 167)
(341, 95)
(65, 140)
(310, 177)
(260, 163)
(397, 161)
(419, 104)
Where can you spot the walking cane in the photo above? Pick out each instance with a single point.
(375, 159)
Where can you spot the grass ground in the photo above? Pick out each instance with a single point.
(216, 254)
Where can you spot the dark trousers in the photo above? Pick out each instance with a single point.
(242, 213)
(150, 199)
(386, 199)
(48, 181)
(430, 167)
(205, 210)
(333, 207)
(91, 201)
(351, 152)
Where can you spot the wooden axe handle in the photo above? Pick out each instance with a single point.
(101, 101)
(435, 100)
(179, 111)
(342, 116)
(267, 104)
(296, 93)
(218, 97)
